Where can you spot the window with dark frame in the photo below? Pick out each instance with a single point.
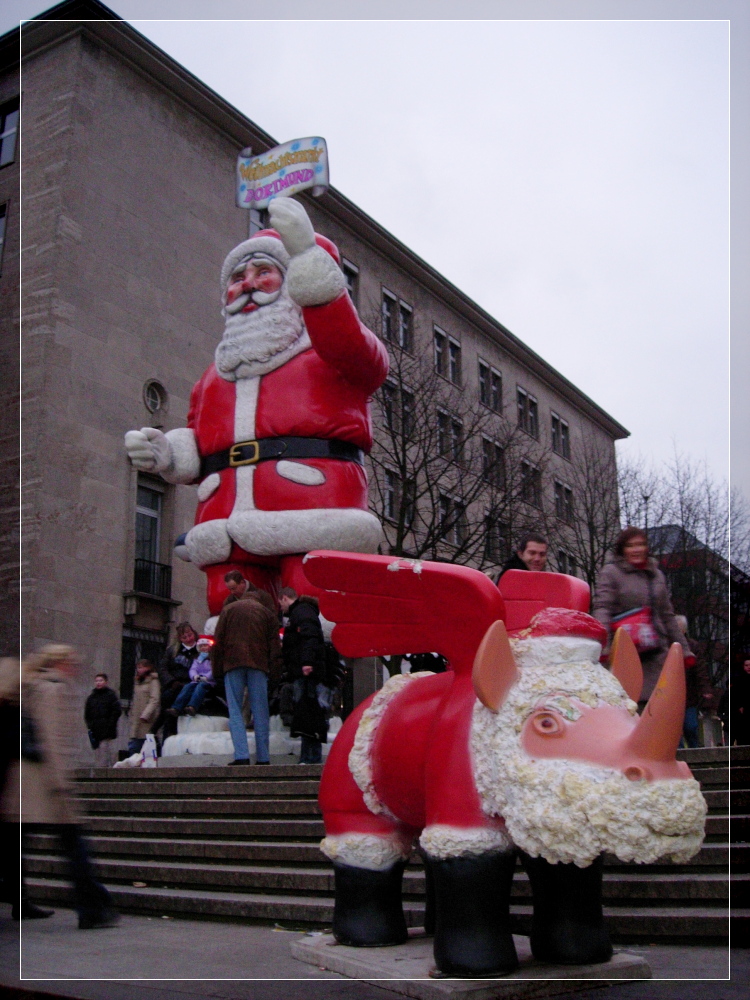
(560, 436)
(440, 340)
(457, 441)
(531, 484)
(390, 495)
(351, 277)
(567, 563)
(495, 540)
(528, 412)
(148, 513)
(388, 317)
(8, 131)
(444, 432)
(493, 462)
(407, 412)
(388, 397)
(563, 502)
(490, 387)
(410, 502)
(454, 361)
(454, 526)
(405, 334)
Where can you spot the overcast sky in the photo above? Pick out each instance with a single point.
(571, 176)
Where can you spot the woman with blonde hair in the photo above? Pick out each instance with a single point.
(47, 798)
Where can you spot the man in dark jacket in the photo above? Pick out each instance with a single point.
(530, 554)
(246, 653)
(304, 664)
(101, 713)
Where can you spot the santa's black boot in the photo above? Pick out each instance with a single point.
(429, 902)
(367, 910)
(568, 926)
(472, 924)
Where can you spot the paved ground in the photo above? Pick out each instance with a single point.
(187, 959)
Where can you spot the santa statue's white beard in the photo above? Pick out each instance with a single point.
(257, 342)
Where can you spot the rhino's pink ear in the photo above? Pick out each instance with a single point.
(625, 664)
(495, 670)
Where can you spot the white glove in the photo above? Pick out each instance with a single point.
(291, 222)
(148, 449)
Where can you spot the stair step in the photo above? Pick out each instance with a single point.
(198, 789)
(202, 806)
(267, 772)
(177, 827)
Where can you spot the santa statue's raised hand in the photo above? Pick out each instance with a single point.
(313, 278)
(148, 449)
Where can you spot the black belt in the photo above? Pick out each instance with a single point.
(252, 452)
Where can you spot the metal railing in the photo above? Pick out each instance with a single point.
(152, 578)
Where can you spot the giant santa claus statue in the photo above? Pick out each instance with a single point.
(279, 424)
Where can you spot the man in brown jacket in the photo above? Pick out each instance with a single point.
(246, 651)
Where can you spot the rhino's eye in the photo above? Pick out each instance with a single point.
(547, 723)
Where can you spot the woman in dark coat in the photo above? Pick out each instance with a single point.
(304, 654)
(633, 580)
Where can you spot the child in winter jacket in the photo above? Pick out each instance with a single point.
(191, 697)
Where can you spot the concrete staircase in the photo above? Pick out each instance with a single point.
(242, 843)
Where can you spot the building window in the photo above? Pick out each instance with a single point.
(531, 484)
(563, 502)
(3, 220)
(351, 277)
(457, 441)
(407, 412)
(388, 317)
(148, 514)
(493, 462)
(567, 563)
(388, 397)
(453, 524)
(259, 219)
(441, 357)
(391, 495)
(495, 540)
(405, 335)
(560, 436)
(155, 397)
(410, 502)
(528, 412)
(454, 361)
(490, 387)
(8, 131)
(444, 438)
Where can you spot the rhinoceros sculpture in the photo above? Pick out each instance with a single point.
(527, 744)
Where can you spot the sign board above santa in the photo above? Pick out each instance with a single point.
(283, 170)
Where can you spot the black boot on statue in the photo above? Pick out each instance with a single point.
(367, 910)
(568, 926)
(472, 924)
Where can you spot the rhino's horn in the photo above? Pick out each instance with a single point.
(659, 729)
(495, 670)
(625, 664)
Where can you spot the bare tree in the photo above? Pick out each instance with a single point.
(452, 479)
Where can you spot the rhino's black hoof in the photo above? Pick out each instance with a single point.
(367, 909)
(568, 926)
(472, 925)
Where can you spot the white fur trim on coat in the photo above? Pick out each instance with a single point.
(360, 764)
(296, 472)
(209, 486)
(208, 543)
(441, 841)
(362, 850)
(285, 532)
(314, 278)
(185, 466)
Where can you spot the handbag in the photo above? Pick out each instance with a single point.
(639, 624)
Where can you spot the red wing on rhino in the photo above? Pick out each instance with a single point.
(385, 605)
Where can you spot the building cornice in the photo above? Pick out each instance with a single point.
(90, 18)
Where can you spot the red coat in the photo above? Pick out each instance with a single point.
(323, 392)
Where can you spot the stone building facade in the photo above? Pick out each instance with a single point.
(127, 188)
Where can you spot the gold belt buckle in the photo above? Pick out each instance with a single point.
(235, 460)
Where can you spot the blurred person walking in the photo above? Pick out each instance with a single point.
(47, 797)
(101, 713)
(631, 592)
